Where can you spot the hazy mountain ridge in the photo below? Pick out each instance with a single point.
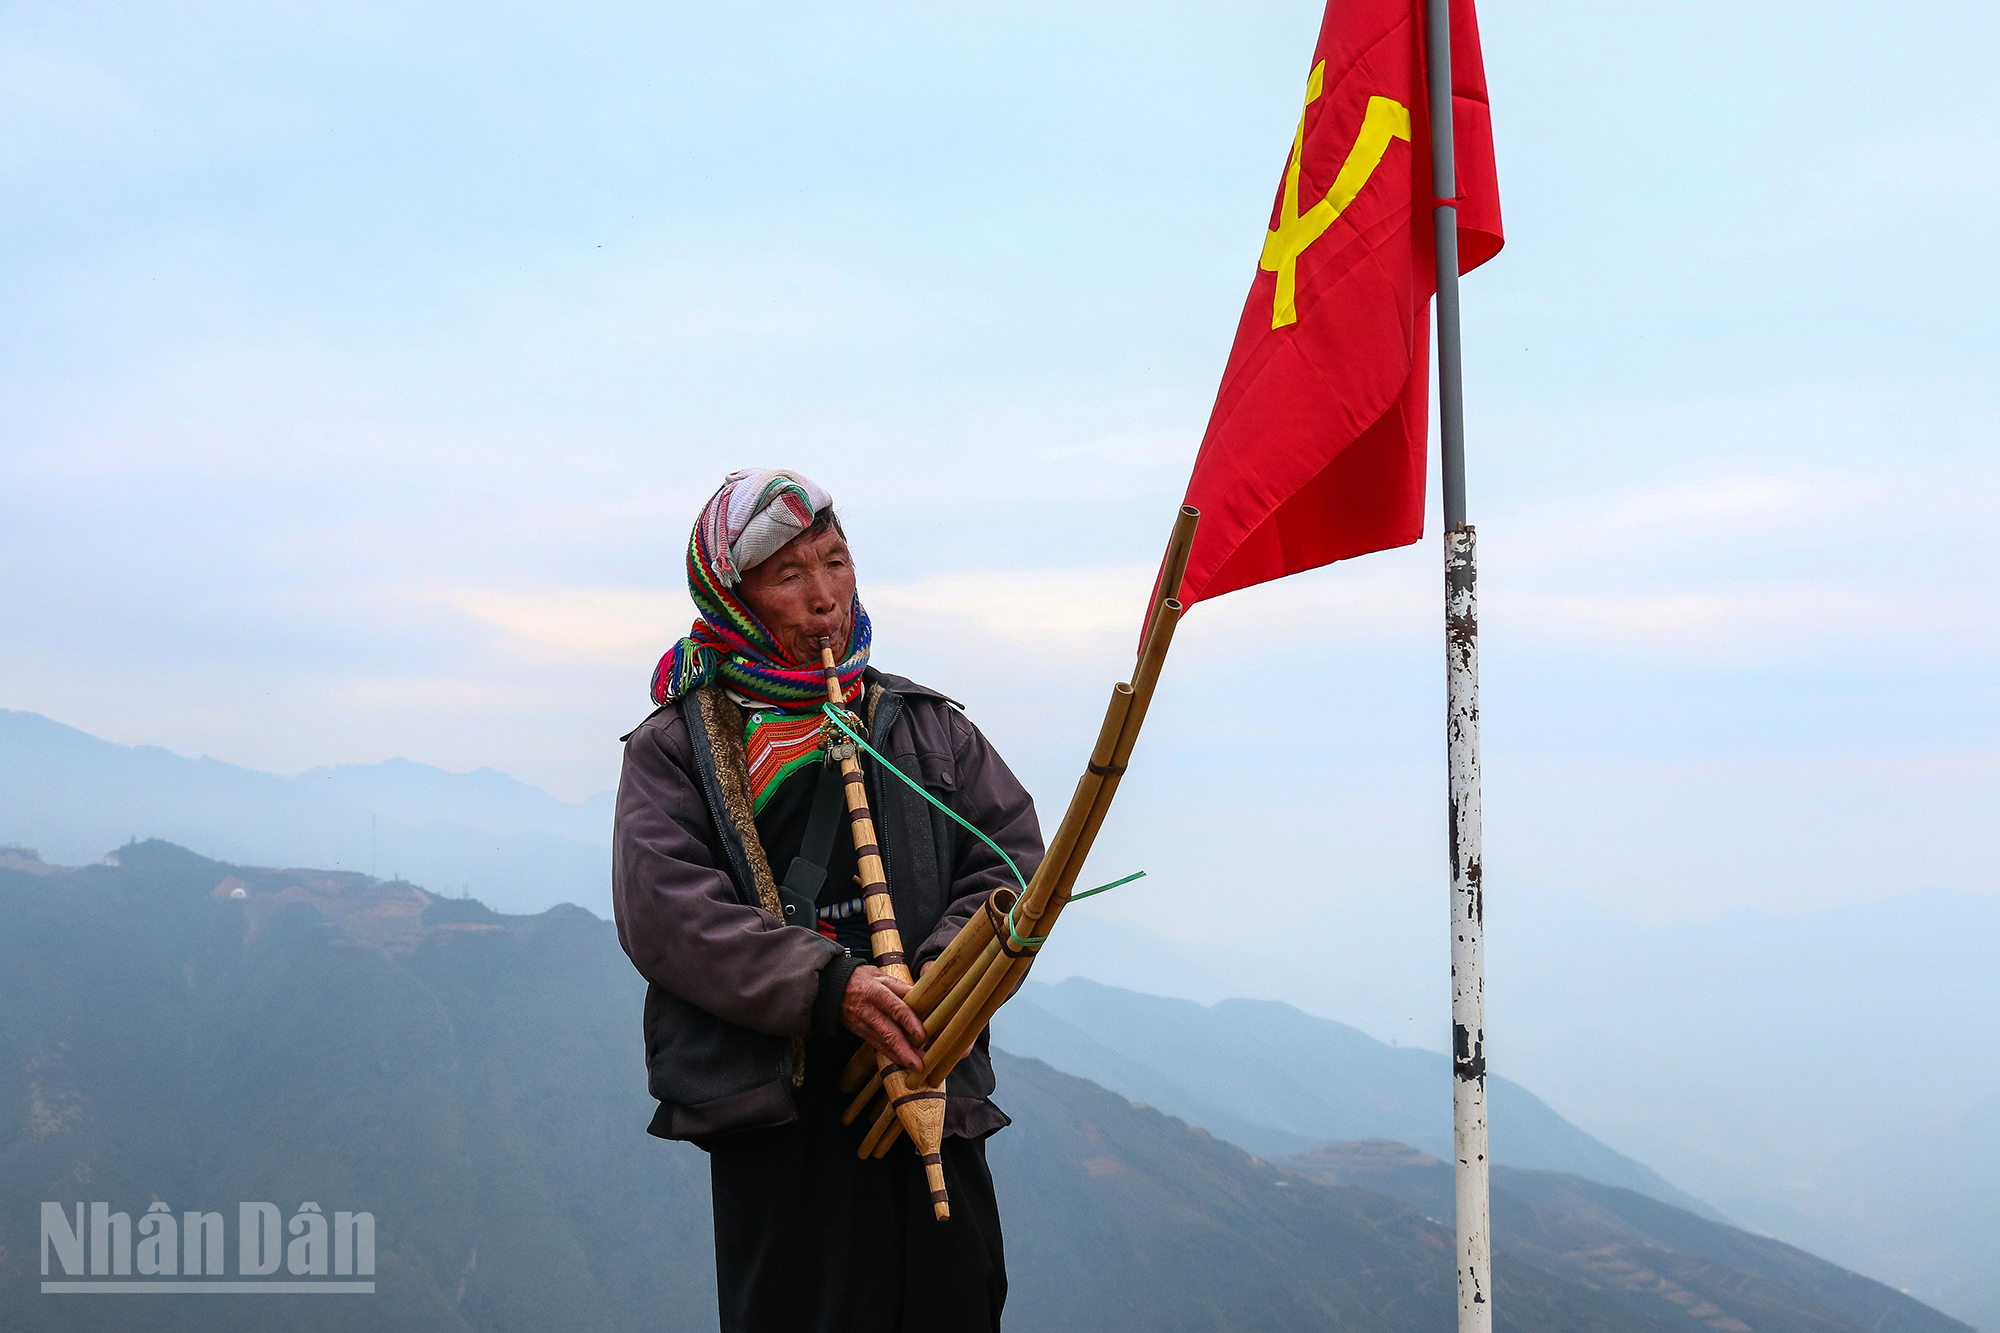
(1278, 1080)
(1645, 1254)
(72, 796)
(1804, 1074)
(474, 1079)
(1131, 1203)
(475, 1083)
(485, 799)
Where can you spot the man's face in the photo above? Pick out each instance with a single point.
(804, 593)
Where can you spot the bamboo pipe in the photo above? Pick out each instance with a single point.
(1056, 876)
(1138, 698)
(1046, 875)
(1094, 793)
(1180, 545)
(921, 1110)
(963, 952)
(885, 942)
(1118, 733)
(968, 1009)
(1151, 658)
(1108, 760)
(1143, 682)
(883, 1131)
(937, 981)
(1063, 847)
(958, 967)
(934, 1023)
(974, 1012)
(1173, 567)
(866, 1062)
(1002, 976)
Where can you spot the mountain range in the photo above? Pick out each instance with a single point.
(1807, 1076)
(200, 1034)
(1651, 1256)
(1804, 1075)
(1277, 1080)
(71, 796)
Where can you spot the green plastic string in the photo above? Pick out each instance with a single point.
(1037, 941)
(1137, 874)
(1020, 941)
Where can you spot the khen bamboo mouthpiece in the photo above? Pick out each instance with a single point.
(922, 1112)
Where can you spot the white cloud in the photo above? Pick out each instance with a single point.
(608, 624)
(1021, 604)
(1094, 614)
(370, 694)
(1089, 609)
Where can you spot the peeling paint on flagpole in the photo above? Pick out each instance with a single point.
(1468, 933)
(1461, 633)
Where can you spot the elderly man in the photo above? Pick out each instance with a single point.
(736, 894)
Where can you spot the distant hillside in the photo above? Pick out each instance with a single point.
(1644, 1254)
(474, 1080)
(475, 1084)
(485, 799)
(1928, 1207)
(75, 797)
(1802, 1073)
(1806, 1074)
(1278, 1080)
(1130, 1222)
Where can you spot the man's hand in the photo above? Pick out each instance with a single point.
(873, 1010)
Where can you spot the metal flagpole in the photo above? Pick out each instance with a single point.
(1461, 627)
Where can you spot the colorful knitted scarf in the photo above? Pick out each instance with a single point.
(729, 645)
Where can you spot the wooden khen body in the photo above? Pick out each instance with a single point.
(989, 958)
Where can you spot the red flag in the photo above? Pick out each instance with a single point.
(1315, 450)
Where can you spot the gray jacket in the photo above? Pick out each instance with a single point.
(732, 992)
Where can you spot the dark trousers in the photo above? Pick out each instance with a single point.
(809, 1239)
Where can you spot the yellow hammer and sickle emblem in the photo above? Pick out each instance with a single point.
(1283, 244)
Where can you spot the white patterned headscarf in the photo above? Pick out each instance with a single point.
(755, 513)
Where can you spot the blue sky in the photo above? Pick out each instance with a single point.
(364, 367)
